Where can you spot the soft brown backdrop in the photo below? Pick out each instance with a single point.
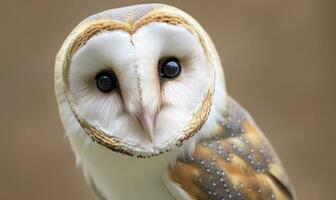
(279, 59)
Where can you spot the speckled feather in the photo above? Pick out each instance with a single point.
(236, 163)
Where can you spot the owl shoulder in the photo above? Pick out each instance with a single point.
(238, 162)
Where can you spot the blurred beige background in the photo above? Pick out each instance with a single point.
(279, 59)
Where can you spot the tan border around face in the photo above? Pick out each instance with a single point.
(111, 142)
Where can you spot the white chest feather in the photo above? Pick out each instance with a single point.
(117, 176)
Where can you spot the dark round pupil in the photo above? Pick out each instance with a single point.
(170, 68)
(106, 81)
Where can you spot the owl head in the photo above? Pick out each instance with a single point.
(138, 80)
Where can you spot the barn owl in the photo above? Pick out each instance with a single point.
(141, 94)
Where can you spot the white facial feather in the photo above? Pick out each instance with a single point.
(134, 59)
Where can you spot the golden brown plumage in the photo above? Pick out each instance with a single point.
(236, 163)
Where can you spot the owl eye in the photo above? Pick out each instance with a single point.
(169, 67)
(106, 81)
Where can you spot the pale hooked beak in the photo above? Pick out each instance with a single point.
(147, 121)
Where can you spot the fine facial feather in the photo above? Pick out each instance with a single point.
(134, 60)
(163, 14)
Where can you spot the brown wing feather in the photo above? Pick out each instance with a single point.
(236, 163)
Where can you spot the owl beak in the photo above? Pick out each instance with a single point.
(147, 122)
